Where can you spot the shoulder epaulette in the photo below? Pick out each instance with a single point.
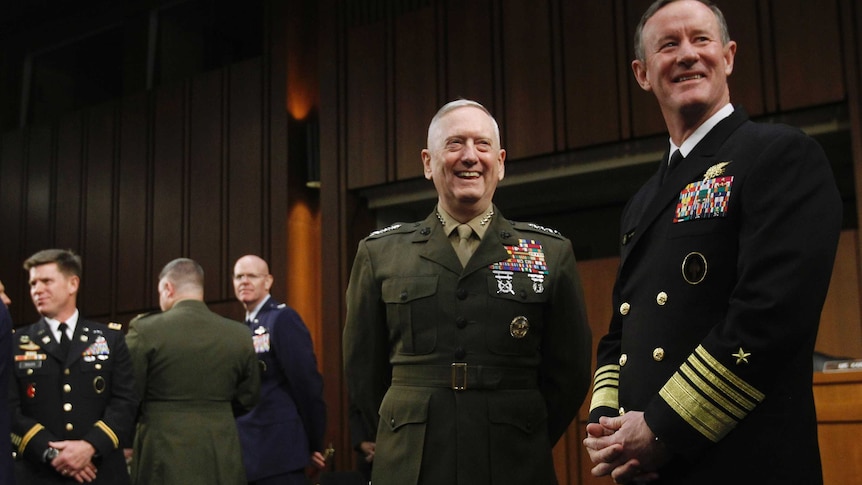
(397, 228)
(533, 227)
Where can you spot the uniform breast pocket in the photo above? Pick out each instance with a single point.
(515, 313)
(411, 304)
(697, 227)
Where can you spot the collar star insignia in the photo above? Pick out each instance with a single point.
(741, 356)
(715, 171)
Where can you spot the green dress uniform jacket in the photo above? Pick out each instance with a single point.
(723, 273)
(193, 370)
(86, 395)
(471, 373)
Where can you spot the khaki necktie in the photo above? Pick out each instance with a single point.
(463, 247)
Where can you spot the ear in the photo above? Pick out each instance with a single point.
(74, 284)
(729, 56)
(501, 161)
(426, 163)
(640, 71)
(267, 282)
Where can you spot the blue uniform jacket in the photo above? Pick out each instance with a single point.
(279, 435)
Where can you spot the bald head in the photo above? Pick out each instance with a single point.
(251, 280)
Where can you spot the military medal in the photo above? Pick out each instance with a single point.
(538, 283)
(99, 384)
(694, 268)
(261, 340)
(525, 257)
(519, 327)
(716, 170)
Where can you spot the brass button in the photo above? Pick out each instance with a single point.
(624, 308)
(69, 427)
(29, 372)
(67, 407)
(661, 298)
(67, 372)
(622, 410)
(623, 359)
(67, 388)
(98, 366)
(658, 354)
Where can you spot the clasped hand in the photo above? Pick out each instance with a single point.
(625, 448)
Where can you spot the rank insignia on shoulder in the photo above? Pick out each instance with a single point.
(544, 229)
(385, 230)
(716, 170)
(115, 326)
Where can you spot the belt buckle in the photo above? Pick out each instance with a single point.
(459, 376)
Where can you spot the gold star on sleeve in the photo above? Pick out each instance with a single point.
(741, 356)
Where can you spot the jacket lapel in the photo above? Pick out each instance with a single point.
(692, 168)
(436, 246)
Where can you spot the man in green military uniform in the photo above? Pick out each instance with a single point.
(193, 369)
(466, 335)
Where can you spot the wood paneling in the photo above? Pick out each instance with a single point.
(644, 111)
(247, 170)
(592, 107)
(12, 190)
(838, 397)
(97, 284)
(527, 120)
(133, 184)
(469, 69)
(368, 149)
(168, 219)
(69, 189)
(840, 323)
(206, 181)
(807, 56)
(39, 222)
(415, 88)
(749, 69)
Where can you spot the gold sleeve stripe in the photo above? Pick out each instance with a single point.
(733, 395)
(25, 440)
(723, 371)
(108, 431)
(708, 396)
(606, 387)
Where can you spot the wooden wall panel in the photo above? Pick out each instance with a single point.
(135, 282)
(39, 222)
(468, 60)
(247, 171)
(70, 196)
(368, 150)
(807, 55)
(168, 219)
(528, 118)
(12, 190)
(644, 111)
(415, 88)
(840, 324)
(591, 67)
(749, 69)
(206, 181)
(98, 289)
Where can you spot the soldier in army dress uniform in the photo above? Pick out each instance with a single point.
(469, 367)
(73, 398)
(705, 373)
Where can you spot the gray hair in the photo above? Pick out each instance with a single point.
(640, 53)
(461, 103)
(183, 273)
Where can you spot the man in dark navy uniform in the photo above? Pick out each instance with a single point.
(726, 255)
(73, 398)
(7, 475)
(284, 433)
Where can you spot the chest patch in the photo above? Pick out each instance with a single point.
(704, 199)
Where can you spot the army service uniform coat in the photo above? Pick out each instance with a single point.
(87, 395)
(723, 273)
(193, 370)
(474, 373)
(279, 434)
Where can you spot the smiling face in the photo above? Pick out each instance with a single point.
(685, 63)
(54, 293)
(464, 160)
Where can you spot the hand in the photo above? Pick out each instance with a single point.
(75, 455)
(625, 448)
(86, 474)
(317, 460)
(368, 448)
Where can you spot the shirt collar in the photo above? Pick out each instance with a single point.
(71, 322)
(701, 131)
(479, 224)
(250, 316)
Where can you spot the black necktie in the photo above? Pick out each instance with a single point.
(672, 164)
(64, 339)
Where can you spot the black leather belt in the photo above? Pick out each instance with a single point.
(460, 377)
